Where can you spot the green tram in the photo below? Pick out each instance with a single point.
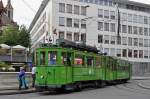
(69, 66)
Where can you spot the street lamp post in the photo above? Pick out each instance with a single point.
(118, 21)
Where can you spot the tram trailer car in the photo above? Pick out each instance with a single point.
(72, 69)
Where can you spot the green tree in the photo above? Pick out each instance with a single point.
(10, 35)
(14, 36)
(24, 37)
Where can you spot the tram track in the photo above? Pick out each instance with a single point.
(133, 87)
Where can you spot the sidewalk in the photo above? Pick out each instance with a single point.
(13, 89)
(10, 90)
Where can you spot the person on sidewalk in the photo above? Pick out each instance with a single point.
(33, 76)
(21, 77)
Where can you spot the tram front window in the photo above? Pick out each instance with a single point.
(52, 56)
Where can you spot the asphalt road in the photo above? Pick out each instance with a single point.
(129, 90)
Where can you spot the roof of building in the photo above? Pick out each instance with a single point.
(40, 10)
(1, 4)
(9, 5)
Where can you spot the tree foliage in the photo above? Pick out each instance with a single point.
(24, 37)
(10, 35)
(14, 36)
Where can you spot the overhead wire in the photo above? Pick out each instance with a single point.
(29, 6)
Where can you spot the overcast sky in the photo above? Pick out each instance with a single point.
(24, 10)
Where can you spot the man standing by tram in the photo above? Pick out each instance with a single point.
(33, 75)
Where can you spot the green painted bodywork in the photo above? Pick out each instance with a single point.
(59, 74)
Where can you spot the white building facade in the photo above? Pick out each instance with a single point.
(95, 22)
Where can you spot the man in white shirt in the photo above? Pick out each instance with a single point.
(33, 75)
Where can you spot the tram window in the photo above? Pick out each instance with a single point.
(90, 61)
(42, 58)
(79, 60)
(98, 61)
(36, 58)
(52, 57)
(66, 58)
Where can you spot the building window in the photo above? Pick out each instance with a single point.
(100, 13)
(83, 24)
(100, 26)
(135, 31)
(130, 53)
(130, 29)
(145, 20)
(124, 16)
(106, 26)
(61, 34)
(61, 21)
(146, 31)
(145, 53)
(129, 41)
(69, 36)
(101, 2)
(118, 52)
(145, 42)
(106, 50)
(141, 19)
(96, 1)
(149, 42)
(100, 38)
(106, 14)
(69, 22)
(113, 40)
(135, 53)
(124, 40)
(149, 31)
(76, 23)
(76, 37)
(124, 52)
(140, 53)
(112, 15)
(140, 42)
(106, 2)
(112, 52)
(119, 41)
(83, 10)
(135, 41)
(83, 37)
(106, 39)
(76, 9)
(141, 30)
(149, 23)
(112, 27)
(130, 17)
(135, 18)
(124, 29)
(69, 8)
(62, 7)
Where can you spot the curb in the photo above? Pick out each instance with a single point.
(143, 86)
(140, 78)
(9, 88)
(17, 92)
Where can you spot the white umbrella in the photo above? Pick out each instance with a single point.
(18, 47)
(4, 46)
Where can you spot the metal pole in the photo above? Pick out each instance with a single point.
(118, 28)
(11, 54)
(26, 55)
